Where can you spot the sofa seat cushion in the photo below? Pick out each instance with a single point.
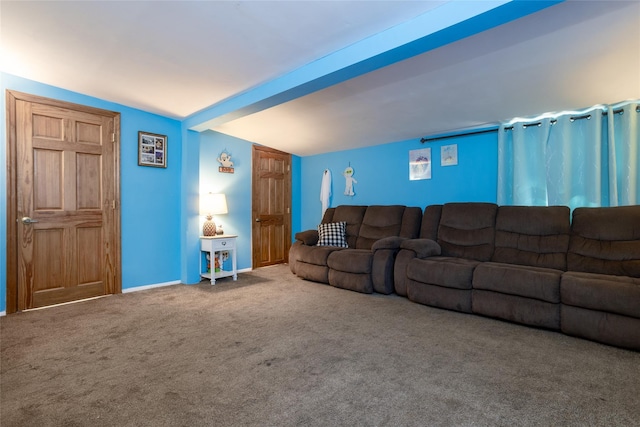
(351, 261)
(443, 271)
(316, 255)
(612, 294)
(531, 282)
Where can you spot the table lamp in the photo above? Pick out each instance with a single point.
(212, 204)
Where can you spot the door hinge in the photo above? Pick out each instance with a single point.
(113, 137)
(114, 204)
(288, 168)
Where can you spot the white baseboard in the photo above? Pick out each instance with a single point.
(145, 287)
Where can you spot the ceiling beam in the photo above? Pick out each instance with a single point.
(445, 24)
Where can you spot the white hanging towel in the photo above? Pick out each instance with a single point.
(325, 190)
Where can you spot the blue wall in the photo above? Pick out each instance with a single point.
(160, 221)
(236, 186)
(150, 196)
(188, 202)
(382, 175)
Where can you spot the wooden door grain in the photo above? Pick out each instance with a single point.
(64, 177)
(271, 206)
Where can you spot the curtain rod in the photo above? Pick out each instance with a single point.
(473, 132)
(477, 132)
(573, 118)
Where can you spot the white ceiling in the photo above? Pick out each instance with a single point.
(178, 58)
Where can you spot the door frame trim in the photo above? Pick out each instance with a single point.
(12, 97)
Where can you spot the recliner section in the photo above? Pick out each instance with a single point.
(600, 292)
(466, 239)
(374, 234)
(521, 283)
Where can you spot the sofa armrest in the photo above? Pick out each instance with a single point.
(423, 248)
(309, 237)
(391, 242)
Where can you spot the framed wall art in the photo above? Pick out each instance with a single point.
(152, 149)
(420, 164)
(449, 155)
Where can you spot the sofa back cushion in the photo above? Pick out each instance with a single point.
(411, 220)
(386, 221)
(350, 214)
(430, 222)
(536, 236)
(328, 216)
(605, 241)
(467, 230)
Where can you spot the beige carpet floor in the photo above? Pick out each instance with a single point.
(273, 350)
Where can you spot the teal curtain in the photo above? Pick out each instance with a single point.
(624, 137)
(575, 159)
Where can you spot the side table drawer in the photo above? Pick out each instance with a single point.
(212, 245)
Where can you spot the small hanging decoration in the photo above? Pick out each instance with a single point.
(325, 190)
(226, 165)
(348, 176)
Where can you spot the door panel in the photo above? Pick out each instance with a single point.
(271, 206)
(47, 187)
(88, 174)
(89, 244)
(48, 273)
(64, 168)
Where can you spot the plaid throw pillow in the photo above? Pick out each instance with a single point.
(332, 234)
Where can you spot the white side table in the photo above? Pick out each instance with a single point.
(213, 245)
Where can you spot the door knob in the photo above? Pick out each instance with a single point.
(258, 219)
(27, 220)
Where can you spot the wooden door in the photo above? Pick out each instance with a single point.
(65, 180)
(271, 206)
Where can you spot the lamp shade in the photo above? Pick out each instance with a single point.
(213, 204)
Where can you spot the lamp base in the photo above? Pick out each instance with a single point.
(209, 228)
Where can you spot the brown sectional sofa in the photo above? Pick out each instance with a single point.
(374, 235)
(538, 266)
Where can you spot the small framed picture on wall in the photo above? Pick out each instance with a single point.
(449, 155)
(152, 149)
(420, 164)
